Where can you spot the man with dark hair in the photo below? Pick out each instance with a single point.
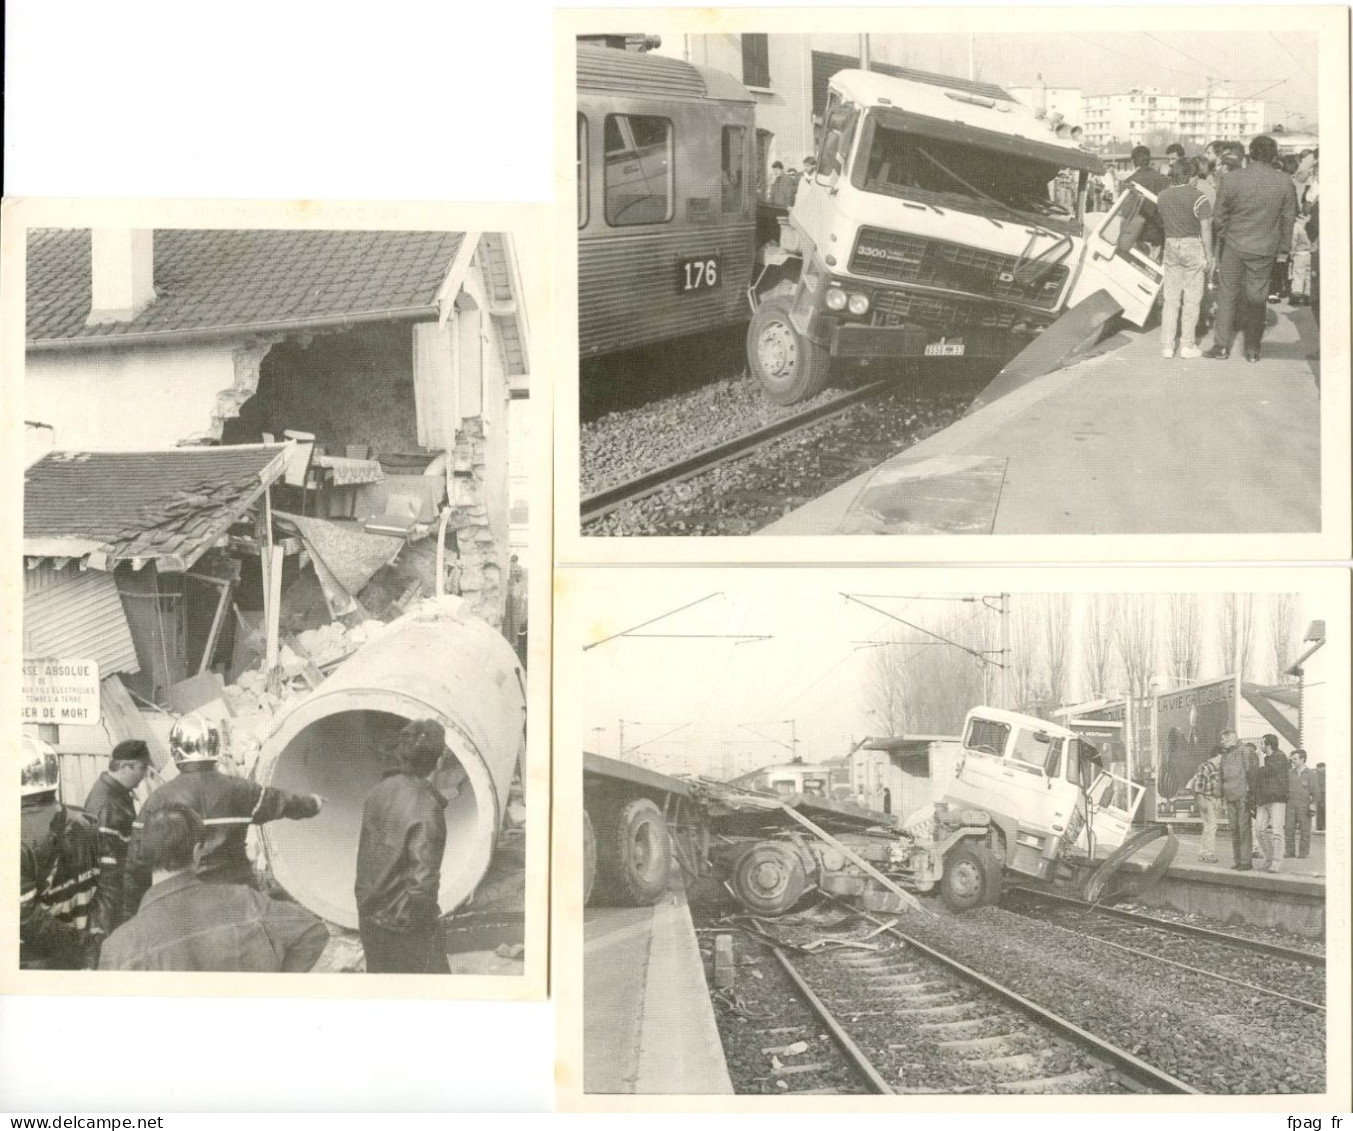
(1144, 174)
(399, 859)
(1271, 787)
(1174, 152)
(184, 924)
(111, 805)
(1186, 218)
(1300, 796)
(782, 186)
(1256, 210)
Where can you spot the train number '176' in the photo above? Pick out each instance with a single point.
(700, 274)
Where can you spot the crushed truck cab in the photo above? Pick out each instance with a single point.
(940, 223)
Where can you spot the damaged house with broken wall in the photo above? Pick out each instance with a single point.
(249, 455)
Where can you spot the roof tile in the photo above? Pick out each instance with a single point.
(207, 279)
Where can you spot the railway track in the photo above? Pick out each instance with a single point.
(1299, 977)
(603, 502)
(913, 1020)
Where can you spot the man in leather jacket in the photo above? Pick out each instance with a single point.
(399, 859)
(113, 808)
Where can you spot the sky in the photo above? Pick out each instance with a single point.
(1279, 67)
(696, 687)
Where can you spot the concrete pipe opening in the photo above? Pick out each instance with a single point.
(439, 663)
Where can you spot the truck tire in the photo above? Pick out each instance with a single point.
(788, 367)
(769, 878)
(971, 877)
(634, 854)
(589, 858)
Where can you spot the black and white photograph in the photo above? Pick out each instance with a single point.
(858, 832)
(1061, 281)
(277, 503)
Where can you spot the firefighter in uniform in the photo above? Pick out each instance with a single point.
(113, 809)
(58, 870)
(228, 805)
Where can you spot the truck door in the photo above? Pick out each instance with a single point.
(1133, 281)
(1112, 802)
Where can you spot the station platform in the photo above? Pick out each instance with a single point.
(1123, 442)
(1291, 899)
(648, 1024)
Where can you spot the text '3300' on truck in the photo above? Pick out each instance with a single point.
(1024, 800)
(940, 223)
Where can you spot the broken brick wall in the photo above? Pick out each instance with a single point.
(478, 517)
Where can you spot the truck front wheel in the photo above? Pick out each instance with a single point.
(634, 854)
(769, 878)
(789, 367)
(972, 877)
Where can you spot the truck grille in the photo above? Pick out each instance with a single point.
(897, 308)
(906, 258)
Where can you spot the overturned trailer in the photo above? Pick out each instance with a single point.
(1029, 801)
(439, 661)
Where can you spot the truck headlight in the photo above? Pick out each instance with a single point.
(859, 304)
(836, 299)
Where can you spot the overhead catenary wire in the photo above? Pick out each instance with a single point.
(652, 620)
(961, 647)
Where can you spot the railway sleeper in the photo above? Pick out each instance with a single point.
(924, 1001)
(1005, 1043)
(952, 1009)
(1012, 1062)
(1050, 1085)
(959, 1029)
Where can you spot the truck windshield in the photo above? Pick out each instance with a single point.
(894, 162)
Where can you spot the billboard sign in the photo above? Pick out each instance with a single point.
(1189, 722)
(60, 692)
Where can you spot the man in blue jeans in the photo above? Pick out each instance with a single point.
(1186, 216)
(1256, 209)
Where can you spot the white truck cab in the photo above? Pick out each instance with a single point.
(1042, 788)
(939, 223)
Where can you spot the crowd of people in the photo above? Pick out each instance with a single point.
(1270, 798)
(171, 887)
(1233, 230)
(784, 185)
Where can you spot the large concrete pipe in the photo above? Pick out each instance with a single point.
(438, 662)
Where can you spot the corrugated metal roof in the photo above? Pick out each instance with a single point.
(634, 72)
(165, 506)
(77, 614)
(210, 280)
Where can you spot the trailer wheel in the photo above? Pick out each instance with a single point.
(971, 878)
(634, 854)
(788, 366)
(769, 878)
(589, 858)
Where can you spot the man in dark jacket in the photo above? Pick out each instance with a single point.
(399, 859)
(1155, 182)
(111, 806)
(1238, 766)
(1256, 211)
(227, 805)
(1270, 803)
(185, 924)
(1300, 797)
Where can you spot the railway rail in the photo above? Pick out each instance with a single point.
(970, 1033)
(1199, 951)
(1276, 950)
(603, 502)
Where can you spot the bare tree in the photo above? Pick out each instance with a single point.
(1282, 631)
(1135, 640)
(1184, 636)
(1097, 644)
(1055, 640)
(884, 690)
(1027, 662)
(1235, 631)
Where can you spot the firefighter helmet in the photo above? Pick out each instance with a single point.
(41, 769)
(194, 739)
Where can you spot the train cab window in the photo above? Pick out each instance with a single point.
(734, 165)
(638, 178)
(582, 171)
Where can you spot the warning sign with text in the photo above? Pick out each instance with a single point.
(61, 692)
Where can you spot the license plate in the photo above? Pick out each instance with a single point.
(944, 349)
(700, 274)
